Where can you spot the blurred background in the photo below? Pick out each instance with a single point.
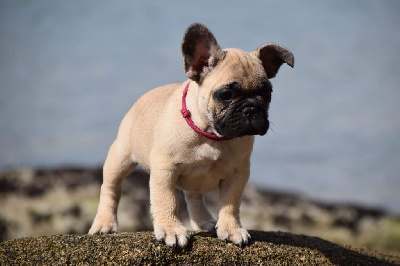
(70, 70)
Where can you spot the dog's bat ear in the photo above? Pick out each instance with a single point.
(273, 56)
(201, 52)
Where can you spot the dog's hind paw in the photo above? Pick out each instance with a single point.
(104, 225)
(208, 225)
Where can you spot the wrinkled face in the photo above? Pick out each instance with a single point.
(239, 94)
(242, 111)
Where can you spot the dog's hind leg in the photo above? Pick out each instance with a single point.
(200, 217)
(116, 167)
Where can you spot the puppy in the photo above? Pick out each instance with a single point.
(196, 136)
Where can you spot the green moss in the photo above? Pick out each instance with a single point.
(392, 230)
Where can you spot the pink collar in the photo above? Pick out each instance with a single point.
(186, 114)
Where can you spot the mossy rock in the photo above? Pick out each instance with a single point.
(267, 248)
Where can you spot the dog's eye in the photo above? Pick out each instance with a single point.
(266, 90)
(225, 95)
(267, 93)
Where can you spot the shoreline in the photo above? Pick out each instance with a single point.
(96, 168)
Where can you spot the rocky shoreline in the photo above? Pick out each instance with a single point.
(39, 202)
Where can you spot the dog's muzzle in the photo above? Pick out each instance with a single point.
(247, 120)
(257, 120)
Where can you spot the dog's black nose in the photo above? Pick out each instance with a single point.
(250, 111)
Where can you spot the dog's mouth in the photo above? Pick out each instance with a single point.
(248, 120)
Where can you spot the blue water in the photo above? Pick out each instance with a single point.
(69, 70)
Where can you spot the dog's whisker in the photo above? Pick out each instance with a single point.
(272, 126)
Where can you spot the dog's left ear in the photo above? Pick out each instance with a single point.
(273, 56)
(201, 52)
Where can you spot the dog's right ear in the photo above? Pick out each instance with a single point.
(201, 52)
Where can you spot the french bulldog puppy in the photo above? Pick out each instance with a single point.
(196, 136)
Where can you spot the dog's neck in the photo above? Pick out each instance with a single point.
(187, 116)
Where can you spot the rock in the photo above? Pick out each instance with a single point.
(272, 248)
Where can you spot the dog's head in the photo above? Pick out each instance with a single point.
(234, 88)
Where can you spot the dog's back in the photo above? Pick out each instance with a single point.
(139, 122)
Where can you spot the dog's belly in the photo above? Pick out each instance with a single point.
(212, 162)
(203, 177)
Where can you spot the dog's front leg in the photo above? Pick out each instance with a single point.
(229, 226)
(164, 209)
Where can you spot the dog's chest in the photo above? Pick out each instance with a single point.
(209, 165)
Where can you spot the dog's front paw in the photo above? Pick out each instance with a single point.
(104, 224)
(175, 235)
(237, 235)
